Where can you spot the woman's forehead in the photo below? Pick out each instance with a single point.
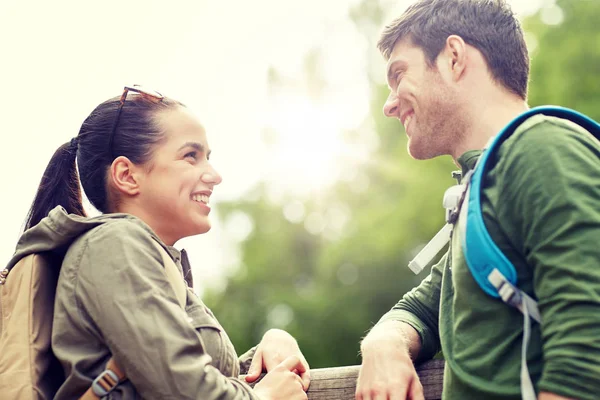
(179, 124)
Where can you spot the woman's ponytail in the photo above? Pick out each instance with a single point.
(59, 186)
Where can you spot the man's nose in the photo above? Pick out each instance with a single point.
(391, 106)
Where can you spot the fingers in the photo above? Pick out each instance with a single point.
(293, 362)
(380, 396)
(282, 383)
(305, 378)
(376, 396)
(299, 368)
(398, 396)
(302, 377)
(379, 392)
(303, 394)
(299, 380)
(416, 390)
(251, 378)
(256, 367)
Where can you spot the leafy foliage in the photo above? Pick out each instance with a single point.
(329, 290)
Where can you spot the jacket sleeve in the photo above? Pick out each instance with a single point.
(245, 360)
(420, 309)
(550, 180)
(121, 286)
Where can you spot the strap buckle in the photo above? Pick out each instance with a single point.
(513, 296)
(105, 383)
(508, 293)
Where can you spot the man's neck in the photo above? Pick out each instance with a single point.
(486, 119)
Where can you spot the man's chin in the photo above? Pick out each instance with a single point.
(421, 151)
(415, 152)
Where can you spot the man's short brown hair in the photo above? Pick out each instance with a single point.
(488, 25)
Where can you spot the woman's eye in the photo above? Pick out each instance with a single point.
(191, 154)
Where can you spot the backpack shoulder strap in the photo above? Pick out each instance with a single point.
(481, 253)
(110, 378)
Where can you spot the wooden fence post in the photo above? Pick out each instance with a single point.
(339, 383)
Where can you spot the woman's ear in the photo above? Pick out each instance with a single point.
(125, 176)
(455, 53)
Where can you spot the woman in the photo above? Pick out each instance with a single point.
(143, 161)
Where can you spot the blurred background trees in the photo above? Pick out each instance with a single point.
(327, 267)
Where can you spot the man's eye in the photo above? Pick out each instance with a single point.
(397, 77)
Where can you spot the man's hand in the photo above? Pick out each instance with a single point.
(276, 346)
(387, 371)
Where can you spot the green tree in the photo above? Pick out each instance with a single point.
(566, 60)
(328, 293)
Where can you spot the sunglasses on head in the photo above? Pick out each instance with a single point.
(147, 94)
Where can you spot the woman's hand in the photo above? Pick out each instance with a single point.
(283, 382)
(275, 347)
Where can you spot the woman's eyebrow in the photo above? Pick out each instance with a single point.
(194, 145)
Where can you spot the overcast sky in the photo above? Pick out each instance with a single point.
(61, 58)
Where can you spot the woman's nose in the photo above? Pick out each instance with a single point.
(211, 176)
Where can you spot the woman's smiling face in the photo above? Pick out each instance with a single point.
(175, 190)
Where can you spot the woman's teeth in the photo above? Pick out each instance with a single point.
(202, 198)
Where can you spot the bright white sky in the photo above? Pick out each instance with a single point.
(61, 58)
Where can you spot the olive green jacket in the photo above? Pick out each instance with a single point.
(113, 299)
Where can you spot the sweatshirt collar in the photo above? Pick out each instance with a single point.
(468, 160)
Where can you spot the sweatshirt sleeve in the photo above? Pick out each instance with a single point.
(420, 309)
(550, 177)
(123, 289)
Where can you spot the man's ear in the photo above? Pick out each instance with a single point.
(455, 53)
(125, 176)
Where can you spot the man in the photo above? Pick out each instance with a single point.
(458, 73)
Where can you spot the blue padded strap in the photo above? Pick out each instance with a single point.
(481, 253)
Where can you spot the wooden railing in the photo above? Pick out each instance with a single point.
(339, 383)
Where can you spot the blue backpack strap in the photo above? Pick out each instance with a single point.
(481, 253)
(494, 273)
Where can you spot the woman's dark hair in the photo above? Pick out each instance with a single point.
(135, 136)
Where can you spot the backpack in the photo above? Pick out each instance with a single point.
(490, 268)
(28, 368)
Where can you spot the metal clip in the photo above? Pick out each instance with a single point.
(457, 175)
(452, 201)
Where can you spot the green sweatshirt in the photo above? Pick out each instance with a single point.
(113, 299)
(541, 205)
